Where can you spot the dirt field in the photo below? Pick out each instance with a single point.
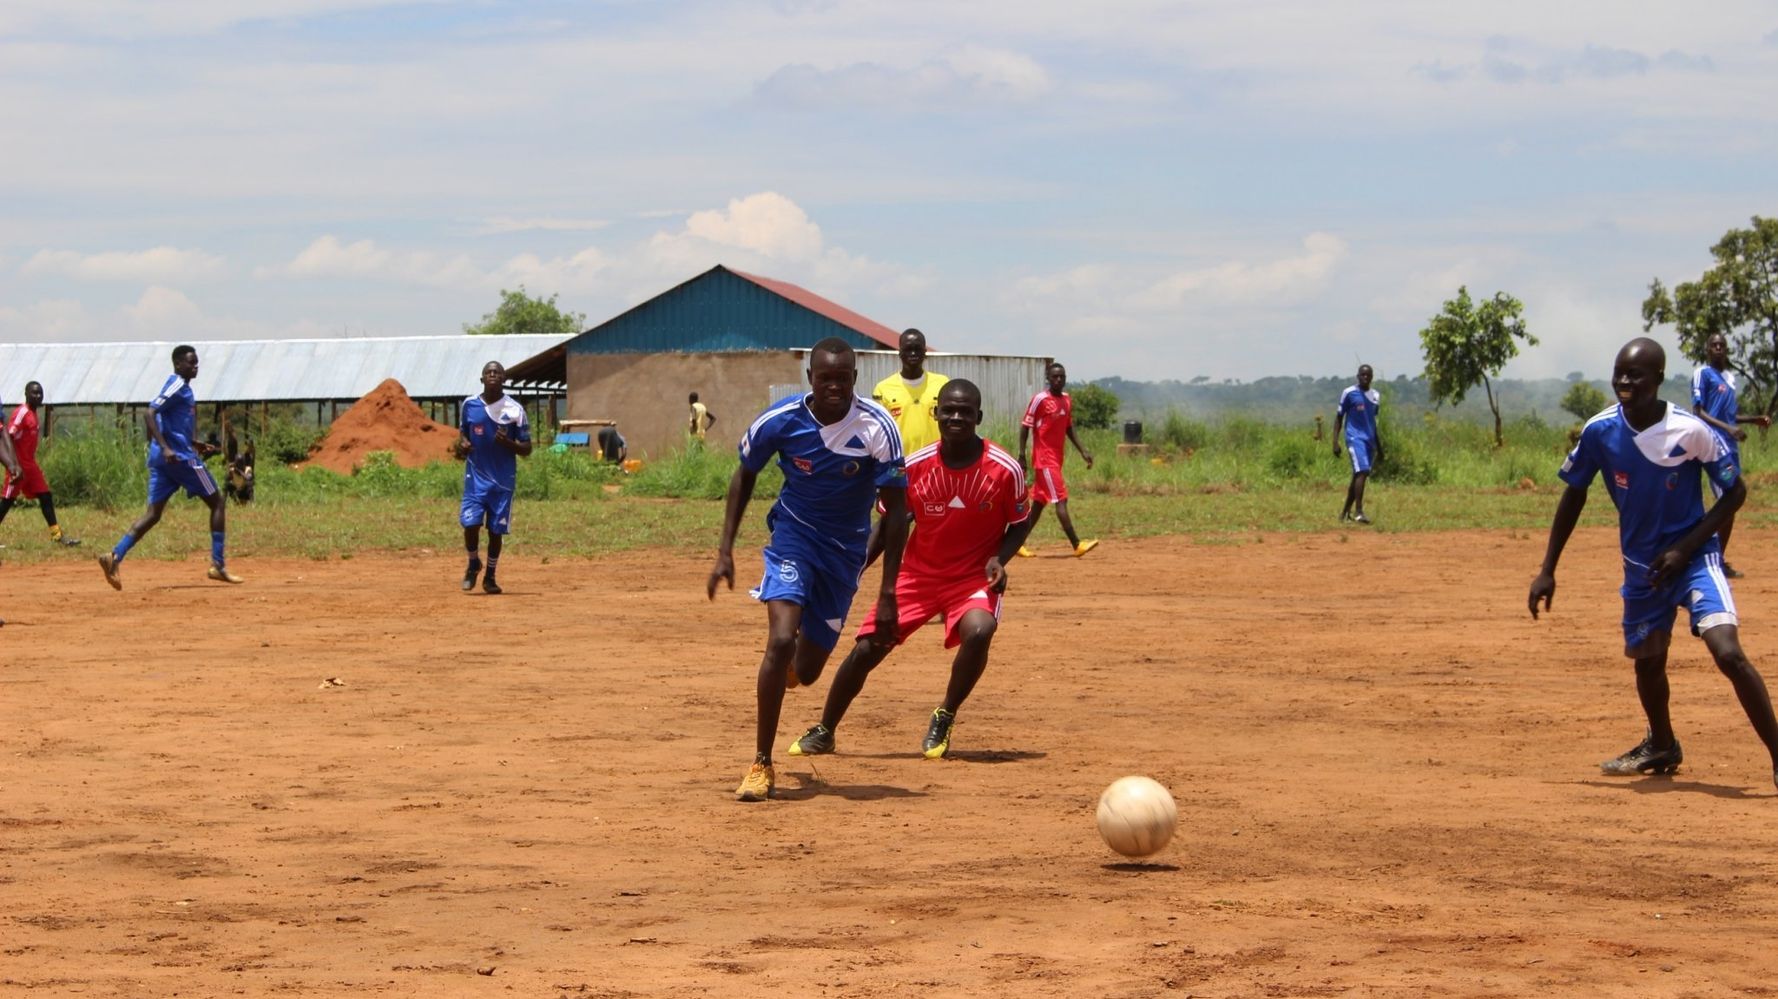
(1386, 775)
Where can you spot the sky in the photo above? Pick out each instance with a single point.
(1145, 189)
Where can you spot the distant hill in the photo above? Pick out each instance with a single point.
(1289, 398)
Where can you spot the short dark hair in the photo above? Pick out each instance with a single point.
(33, 382)
(182, 350)
(694, 397)
(966, 386)
(836, 347)
(910, 331)
(1055, 364)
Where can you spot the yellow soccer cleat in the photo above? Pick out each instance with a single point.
(1085, 546)
(1026, 552)
(757, 785)
(222, 575)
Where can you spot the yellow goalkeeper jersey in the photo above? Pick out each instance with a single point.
(912, 407)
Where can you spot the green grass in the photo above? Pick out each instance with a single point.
(1218, 482)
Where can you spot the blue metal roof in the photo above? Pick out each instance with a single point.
(428, 367)
(724, 310)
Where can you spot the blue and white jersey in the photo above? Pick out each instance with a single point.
(1713, 392)
(491, 465)
(831, 473)
(1359, 407)
(175, 412)
(1652, 476)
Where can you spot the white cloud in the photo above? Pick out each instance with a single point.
(767, 223)
(1284, 280)
(162, 263)
(328, 257)
(47, 321)
(966, 75)
(507, 223)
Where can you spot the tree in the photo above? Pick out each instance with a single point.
(520, 313)
(1094, 406)
(1737, 298)
(1583, 400)
(1466, 345)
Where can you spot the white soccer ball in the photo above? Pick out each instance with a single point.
(1136, 816)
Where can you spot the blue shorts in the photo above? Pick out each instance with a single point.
(815, 574)
(166, 478)
(1363, 451)
(1700, 588)
(492, 507)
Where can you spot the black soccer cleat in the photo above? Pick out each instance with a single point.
(1645, 759)
(490, 587)
(474, 570)
(817, 741)
(938, 734)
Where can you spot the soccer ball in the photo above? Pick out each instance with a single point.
(1136, 816)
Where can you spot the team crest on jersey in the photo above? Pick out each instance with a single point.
(804, 465)
(480, 430)
(849, 468)
(1672, 481)
(1622, 479)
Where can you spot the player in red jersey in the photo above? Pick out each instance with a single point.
(1051, 415)
(23, 432)
(967, 500)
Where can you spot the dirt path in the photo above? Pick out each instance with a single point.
(1386, 774)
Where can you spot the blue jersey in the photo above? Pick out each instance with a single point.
(831, 473)
(1359, 408)
(175, 412)
(1652, 476)
(490, 464)
(1713, 392)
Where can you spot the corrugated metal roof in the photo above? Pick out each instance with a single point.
(428, 367)
(832, 310)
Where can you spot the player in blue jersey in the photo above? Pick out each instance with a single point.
(1714, 401)
(1652, 455)
(175, 462)
(492, 438)
(840, 455)
(1358, 412)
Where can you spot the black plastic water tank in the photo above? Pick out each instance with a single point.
(1132, 431)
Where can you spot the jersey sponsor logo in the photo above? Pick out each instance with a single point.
(1622, 479)
(480, 430)
(804, 465)
(934, 509)
(895, 411)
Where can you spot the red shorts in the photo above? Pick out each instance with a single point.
(1047, 485)
(919, 599)
(30, 483)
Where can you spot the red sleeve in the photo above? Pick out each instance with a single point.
(1031, 410)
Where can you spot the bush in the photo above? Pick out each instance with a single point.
(1095, 406)
(1294, 457)
(1583, 400)
(1182, 434)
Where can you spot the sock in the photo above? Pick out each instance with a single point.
(216, 547)
(475, 556)
(124, 544)
(493, 560)
(55, 532)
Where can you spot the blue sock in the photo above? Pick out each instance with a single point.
(216, 547)
(124, 544)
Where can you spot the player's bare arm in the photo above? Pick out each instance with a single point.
(8, 456)
(894, 523)
(1568, 510)
(1339, 421)
(740, 491)
(1084, 456)
(1680, 555)
(1024, 441)
(1728, 428)
(153, 424)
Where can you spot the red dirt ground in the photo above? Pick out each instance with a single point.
(1386, 775)
(384, 420)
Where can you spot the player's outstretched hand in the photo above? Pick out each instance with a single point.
(724, 569)
(1542, 588)
(996, 574)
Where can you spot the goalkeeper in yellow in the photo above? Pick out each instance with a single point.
(911, 393)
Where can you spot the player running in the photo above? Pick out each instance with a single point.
(970, 511)
(1652, 454)
(1051, 416)
(1714, 401)
(492, 438)
(23, 432)
(175, 462)
(1358, 412)
(837, 452)
(910, 394)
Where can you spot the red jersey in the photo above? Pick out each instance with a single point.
(22, 428)
(1049, 416)
(961, 514)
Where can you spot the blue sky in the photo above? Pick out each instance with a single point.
(1145, 189)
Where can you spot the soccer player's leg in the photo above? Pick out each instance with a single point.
(1649, 613)
(470, 516)
(499, 507)
(783, 588)
(47, 503)
(1712, 609)
(1363, 453)
(917, 601)
(161, 488)
(197, 482)
(971, 618)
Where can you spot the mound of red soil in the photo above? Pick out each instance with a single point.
(384, 420)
